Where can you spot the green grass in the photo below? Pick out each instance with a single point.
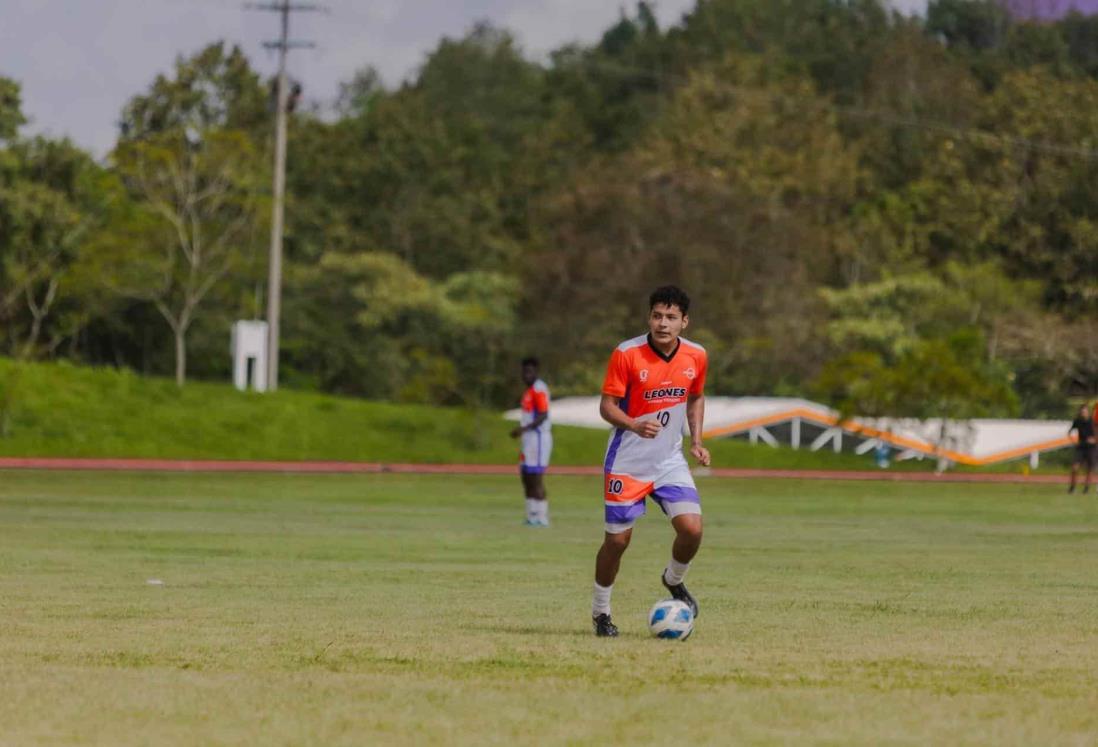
(62, 410)
(416, 610)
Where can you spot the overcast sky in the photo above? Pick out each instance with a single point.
(78, 61)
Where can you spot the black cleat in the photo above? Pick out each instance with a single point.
(604, 627)
(678, 591)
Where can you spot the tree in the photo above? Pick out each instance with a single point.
(940, 378)
(971, 24)
(49, 201)
(357, 96)
(189, 159)
(1022, 189)
(430, 172)
(890, 316)
(51, 197)
(11, 113)
(835, 43)
(913, 80)
(1030, 44)
(198, 203)
(739, 194)
(437, 342)
(213, 89)
(1080, 33)
(617, 88)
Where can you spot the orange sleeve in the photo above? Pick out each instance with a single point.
(541, 401)
(698, 386)
(617, 375)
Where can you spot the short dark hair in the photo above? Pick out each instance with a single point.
(530, 361)
(670, 295)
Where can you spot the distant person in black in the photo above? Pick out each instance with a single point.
(1084, 446)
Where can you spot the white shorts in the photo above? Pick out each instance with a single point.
(671, 486)
(536, 450)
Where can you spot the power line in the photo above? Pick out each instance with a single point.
(274, 282)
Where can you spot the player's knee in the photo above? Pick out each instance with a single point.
(617, 542)
(690, 529)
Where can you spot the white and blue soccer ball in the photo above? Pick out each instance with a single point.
(671, 619)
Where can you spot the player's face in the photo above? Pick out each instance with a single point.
(666, 323)
(529, 375)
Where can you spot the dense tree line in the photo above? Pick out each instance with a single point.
(899, 215)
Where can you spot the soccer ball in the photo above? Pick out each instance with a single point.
(672, 619)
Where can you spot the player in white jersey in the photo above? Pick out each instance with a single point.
(536, 433)
(654, 386)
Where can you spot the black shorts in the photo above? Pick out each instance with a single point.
(1084, 454)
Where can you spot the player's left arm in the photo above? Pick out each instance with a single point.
(695, 418)
(1078, 433)
(538, 420)
(695, 410)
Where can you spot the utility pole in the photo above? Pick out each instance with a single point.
(274, 278)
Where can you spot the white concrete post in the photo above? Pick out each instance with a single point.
(249, 350)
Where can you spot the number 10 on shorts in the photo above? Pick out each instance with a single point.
(625, 489)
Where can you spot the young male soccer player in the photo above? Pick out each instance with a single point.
(1084, 447)
(537, 444)
(654, 384)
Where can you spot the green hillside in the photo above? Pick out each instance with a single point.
(57, 409)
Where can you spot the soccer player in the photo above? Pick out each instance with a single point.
(1084, 447)
(654, 384)
(537, 444)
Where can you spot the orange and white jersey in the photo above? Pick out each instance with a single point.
(535, 401)
(652, 386)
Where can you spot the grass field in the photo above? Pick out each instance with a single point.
(416, 610)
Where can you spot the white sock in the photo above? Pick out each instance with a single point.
(532, 509)
(600, 601)
(543, 510)
(675, 572)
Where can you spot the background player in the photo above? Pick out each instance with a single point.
(1084, 447)
(654, 384)
(536, 433)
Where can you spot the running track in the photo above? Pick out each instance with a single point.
(370, 468)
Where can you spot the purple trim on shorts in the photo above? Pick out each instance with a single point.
(675, 494)
(528, 470)
(612, 452)
(623, 513)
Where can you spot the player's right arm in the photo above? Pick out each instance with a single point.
(614, 387)
(612, 414)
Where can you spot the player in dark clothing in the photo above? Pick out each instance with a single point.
(1084, 447)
